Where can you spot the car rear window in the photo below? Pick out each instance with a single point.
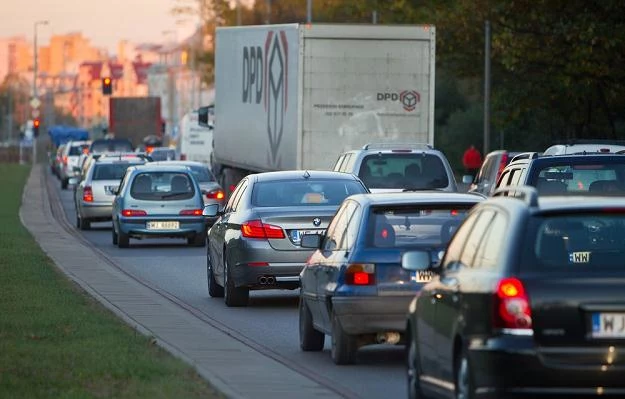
(412, 171)
(77, 150)
(202, 174)
(574, 243)
(403, 226)
(162, 186)
(113, 171)
(590, 178)
(163, 155)
(111, 146)
(304, 192)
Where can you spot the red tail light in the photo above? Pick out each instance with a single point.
(258, 229)
(191, 212)
(215, 194)
(360, 274)
(65, 160)
(133, 212)
(512, 307)
(87, 194)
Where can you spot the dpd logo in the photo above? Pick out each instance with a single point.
(408, 98)
(275, 87)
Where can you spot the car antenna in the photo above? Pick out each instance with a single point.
(306, 174)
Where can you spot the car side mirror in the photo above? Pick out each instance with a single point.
(416, 260)
(210, 210)
(311, 241)
(467, 179)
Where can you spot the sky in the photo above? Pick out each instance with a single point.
(104, 22)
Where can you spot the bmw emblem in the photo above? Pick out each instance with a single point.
(316, 222)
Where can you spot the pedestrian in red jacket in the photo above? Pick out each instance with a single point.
(472, 160)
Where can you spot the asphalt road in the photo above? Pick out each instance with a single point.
(270, 321)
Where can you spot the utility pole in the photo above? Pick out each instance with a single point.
(35, 70)
(487, 88)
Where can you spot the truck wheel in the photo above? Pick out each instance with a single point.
(310, 340)
(234, 296)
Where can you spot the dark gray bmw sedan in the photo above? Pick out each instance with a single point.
(255, 243)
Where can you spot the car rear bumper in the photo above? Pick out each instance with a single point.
(367, 315)
(137, 227)
(539, 373)
(96, 211)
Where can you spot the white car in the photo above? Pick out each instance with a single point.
(70, 160)
(584, 147)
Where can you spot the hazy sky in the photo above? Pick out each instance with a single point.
(105, 22)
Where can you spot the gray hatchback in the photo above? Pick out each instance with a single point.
(255, 244)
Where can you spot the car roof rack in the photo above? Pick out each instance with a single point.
(387, 146)
(525, 155)
(528, 194)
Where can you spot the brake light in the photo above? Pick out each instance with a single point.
(191, 212)
(64, 159)
(258, 229)
(87, 194)
(360, 274)
(215, 194)
(512, 307)
(133, 212)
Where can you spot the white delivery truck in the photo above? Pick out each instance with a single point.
(296, 96)
(194, 142)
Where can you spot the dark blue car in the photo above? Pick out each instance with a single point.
(353, 286)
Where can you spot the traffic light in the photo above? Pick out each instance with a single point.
(36, 124)
(107, 86)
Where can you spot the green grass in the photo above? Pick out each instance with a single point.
(56, 341)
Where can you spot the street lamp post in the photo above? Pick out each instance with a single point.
(35, 70)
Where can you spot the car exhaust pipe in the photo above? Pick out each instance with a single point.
(262, 280)
(391, 338)
(271, 280)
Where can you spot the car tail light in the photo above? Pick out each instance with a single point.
(191, 212)
(65, 160)
(360, 274)
(215, 194)
(512, 307)
(183, 157)
(258, 229)
(87, 194)
(256, 264)
(502, 164)
(133, 212)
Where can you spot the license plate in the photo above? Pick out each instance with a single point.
(110, 189)
(421, 276)
(162, 225)
(608, 325)
(296, 235)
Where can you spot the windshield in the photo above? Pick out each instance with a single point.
(114, 171)
(77, 150)
(159, 186)
(304, 192)
(403, 171)
(575, 243)
(399, 227)
(591, 178)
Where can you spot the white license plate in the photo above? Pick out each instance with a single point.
(421, 276)
(162, 225)
(608, 325)
(296, 235)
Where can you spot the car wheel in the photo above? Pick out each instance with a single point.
(343, 345)
(198, 240)
(412, 370)
(84, 224)
(310, 340)
(214, 290)
(234, 296)
(123, 240)
(114, 234)
(64, 183)
(464, 378)
(77, 220)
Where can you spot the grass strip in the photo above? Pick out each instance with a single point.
(56, 341)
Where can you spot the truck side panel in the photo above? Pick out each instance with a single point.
(195, 142)
(374, 84)
(256, 74)
(135, 117)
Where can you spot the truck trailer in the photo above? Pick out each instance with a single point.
(295, 96)
(135, 118)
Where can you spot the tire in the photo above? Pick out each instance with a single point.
(64, 184)
(234, 296)
(344, 346)
(214, 290)
(123, 240)
(114, 234)
(84, 224)
(412, 370)
(77, 220)
(198, 240)
(465, 388)
(310, 340)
